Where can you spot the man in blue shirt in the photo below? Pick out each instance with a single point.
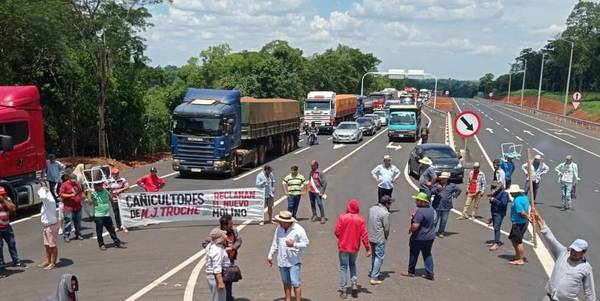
(519, 215)
(444, 192)
(428, 177)
(509, 168)
(385, 175)
(422, 230)
(265, 180)
(498, 205)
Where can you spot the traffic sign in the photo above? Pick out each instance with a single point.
(577, 99)
(467, 124)
(491, 94)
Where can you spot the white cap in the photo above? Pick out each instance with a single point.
(476, 164)
(569, 157)
(538, 157)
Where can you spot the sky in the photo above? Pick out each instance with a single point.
(461, 39)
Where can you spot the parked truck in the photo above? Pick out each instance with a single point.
(22, 145)
(404, 121)
(218, 131)
(327, 110)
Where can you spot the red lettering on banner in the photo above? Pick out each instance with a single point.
(236, 203)
(144, 214)
(220, 195)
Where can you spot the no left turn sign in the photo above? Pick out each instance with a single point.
(467, 124)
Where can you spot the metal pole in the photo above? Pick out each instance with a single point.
(531, 199)
(509, 79)
(435, 93)
(362, 82)
(540, 85)
(568, 79)
(523, 86)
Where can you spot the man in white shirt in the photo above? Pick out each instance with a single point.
(538, 168)
(385, 175)
(50, 227)
(568, 175)
(289, 242)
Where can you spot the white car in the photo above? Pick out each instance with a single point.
(347, 131)
(382, 117)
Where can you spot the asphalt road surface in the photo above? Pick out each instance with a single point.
(165, 261)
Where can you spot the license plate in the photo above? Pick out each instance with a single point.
(400, 135)
(195, 139)
(196, 169)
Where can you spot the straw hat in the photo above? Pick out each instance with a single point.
(426, 161)
(514, 188)
(387, 157)
(538, 157)
(285, 217)
(476, 164)
(444, 175)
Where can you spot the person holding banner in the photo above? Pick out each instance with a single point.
(216, 260)
(294, 186)
(265, 180)
(538, 168)
(316, 194)
(289, 242)
(100, 199)
(72, 193)
(151, 182)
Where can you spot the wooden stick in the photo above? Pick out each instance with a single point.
(531, 200)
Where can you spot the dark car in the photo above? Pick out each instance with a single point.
(367, 125)
(444, 158)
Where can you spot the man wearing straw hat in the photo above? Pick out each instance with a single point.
(444, 192)
(422, 230)
(538, 168)
(289, 242)
(519, 215)
(428, 177)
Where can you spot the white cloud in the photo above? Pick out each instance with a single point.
(551, 30)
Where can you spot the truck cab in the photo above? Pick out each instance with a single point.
(404, 122)
(319, 107)
(22, 145)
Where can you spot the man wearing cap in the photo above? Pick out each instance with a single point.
(538, 168)
(385, 175)
(508, 167)
(444, 192)
(151, 182)
(117, 186)
(54, 169)
(7, 207)
(294, 186)
(378, 228)
(498, 174)
(475, 189)
(428, 177)
(71, 192)
(568, 176)
(498, 204)
(571, 272)
(519, 215)
(100, 199)
(422, 235)
(265, 180)
(289, 242)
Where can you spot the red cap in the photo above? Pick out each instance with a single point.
(114, 170)
(2, 191)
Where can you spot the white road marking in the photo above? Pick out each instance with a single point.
(330, 138)
(492, 119)
(489, 130)
(392, 146)
(497, 123)
(537, 151)
(528, 132)
(247, 174)
(506, 129)
(306, 148)
(300, 140)
(336, 146)
(519, 138)
(565, 134)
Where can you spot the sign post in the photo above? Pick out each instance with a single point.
(467, 125)
(577, 99)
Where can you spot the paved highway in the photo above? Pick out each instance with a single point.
(165, 262)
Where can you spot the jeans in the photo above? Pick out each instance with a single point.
(535, 189)
(115, 207)
(565, 191)
(105, 222)
(424, 139)
(508, 182)
(497, 221)
(215, 293)
(53, 188)
(383, 191)
(347, 260)
(423, 247)
(229, 291)
(75, 217)
(442, 220)
(291, 275)
(7, 234)
(376, 259)
(293, 203)
(316, 200)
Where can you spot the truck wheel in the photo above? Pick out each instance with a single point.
(291, 139)
(262, 154)
(234, 167)
(282, 148)
(256, 160)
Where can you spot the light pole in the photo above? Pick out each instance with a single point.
(362, 81)
(568, 76)
(509, 79)
(523, 85)
(540, 85)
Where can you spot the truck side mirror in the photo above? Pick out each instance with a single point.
(6, 143)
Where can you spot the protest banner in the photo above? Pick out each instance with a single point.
(143, 208)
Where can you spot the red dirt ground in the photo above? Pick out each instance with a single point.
(546, 104)
(122, 165)
(443, 104)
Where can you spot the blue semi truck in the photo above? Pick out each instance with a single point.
(218, 131)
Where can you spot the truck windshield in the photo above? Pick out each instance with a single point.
(319, 105)
(402, 119)
(197, 126)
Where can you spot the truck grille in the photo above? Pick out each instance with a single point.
(195, 153)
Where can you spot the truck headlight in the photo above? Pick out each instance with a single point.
(219, 163)
(176, 162)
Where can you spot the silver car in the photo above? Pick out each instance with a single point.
(376, 120)
(347, 131)
(382, 117)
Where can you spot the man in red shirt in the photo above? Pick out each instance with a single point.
(71, 192)
(350, 230)
(7, 207)
(151, 182)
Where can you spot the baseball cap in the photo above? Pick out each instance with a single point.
(538, 157)
(386, 199)
(579, 245)
(569, 157)
(114, 170)
(476, 164)
(153, 169)
(51, 156)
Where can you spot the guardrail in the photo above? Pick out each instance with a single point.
(590, 125)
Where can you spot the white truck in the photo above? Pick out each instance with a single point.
(326, 109)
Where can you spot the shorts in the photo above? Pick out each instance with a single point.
(291, 275)
(269, 202)
(50, 233)
(517, 231)
(61, 211)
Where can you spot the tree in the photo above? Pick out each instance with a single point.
(485, 83)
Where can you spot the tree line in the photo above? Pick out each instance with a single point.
(583, 29)
(101, 97)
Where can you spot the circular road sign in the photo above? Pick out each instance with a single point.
(577, 96)
(467, 124)
(491, 94)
